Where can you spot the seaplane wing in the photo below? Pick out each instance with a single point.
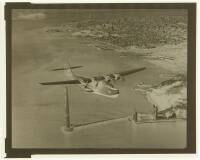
(124, 73)
(61, 82)
(99, 85)
(118, 75)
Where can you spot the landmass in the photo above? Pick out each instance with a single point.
(169, 97)
(160, 40)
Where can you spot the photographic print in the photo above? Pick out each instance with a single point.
(109, 78)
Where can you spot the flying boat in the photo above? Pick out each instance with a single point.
(100, 85)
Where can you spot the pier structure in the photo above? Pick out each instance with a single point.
(135, 117)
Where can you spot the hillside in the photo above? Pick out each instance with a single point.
(160, 40)
(140, 31)
(169, 96)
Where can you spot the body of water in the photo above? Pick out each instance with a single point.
(38, 111)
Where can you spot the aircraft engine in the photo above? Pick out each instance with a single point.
(94, 82)
(117, 76)
(113, 77)
(108, 78)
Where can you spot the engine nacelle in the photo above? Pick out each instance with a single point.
(117, 76)
(108, 78)
(94, 82)
(112, 77)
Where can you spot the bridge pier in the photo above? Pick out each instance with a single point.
(67, 127)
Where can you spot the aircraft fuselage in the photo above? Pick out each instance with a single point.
(101, 87)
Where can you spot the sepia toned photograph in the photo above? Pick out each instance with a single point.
(99, 78)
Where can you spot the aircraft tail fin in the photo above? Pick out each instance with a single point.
(68, 70)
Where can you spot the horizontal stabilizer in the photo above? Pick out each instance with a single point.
(57, 69)
(61, 82)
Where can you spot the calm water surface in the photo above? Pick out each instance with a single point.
(38, 111)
